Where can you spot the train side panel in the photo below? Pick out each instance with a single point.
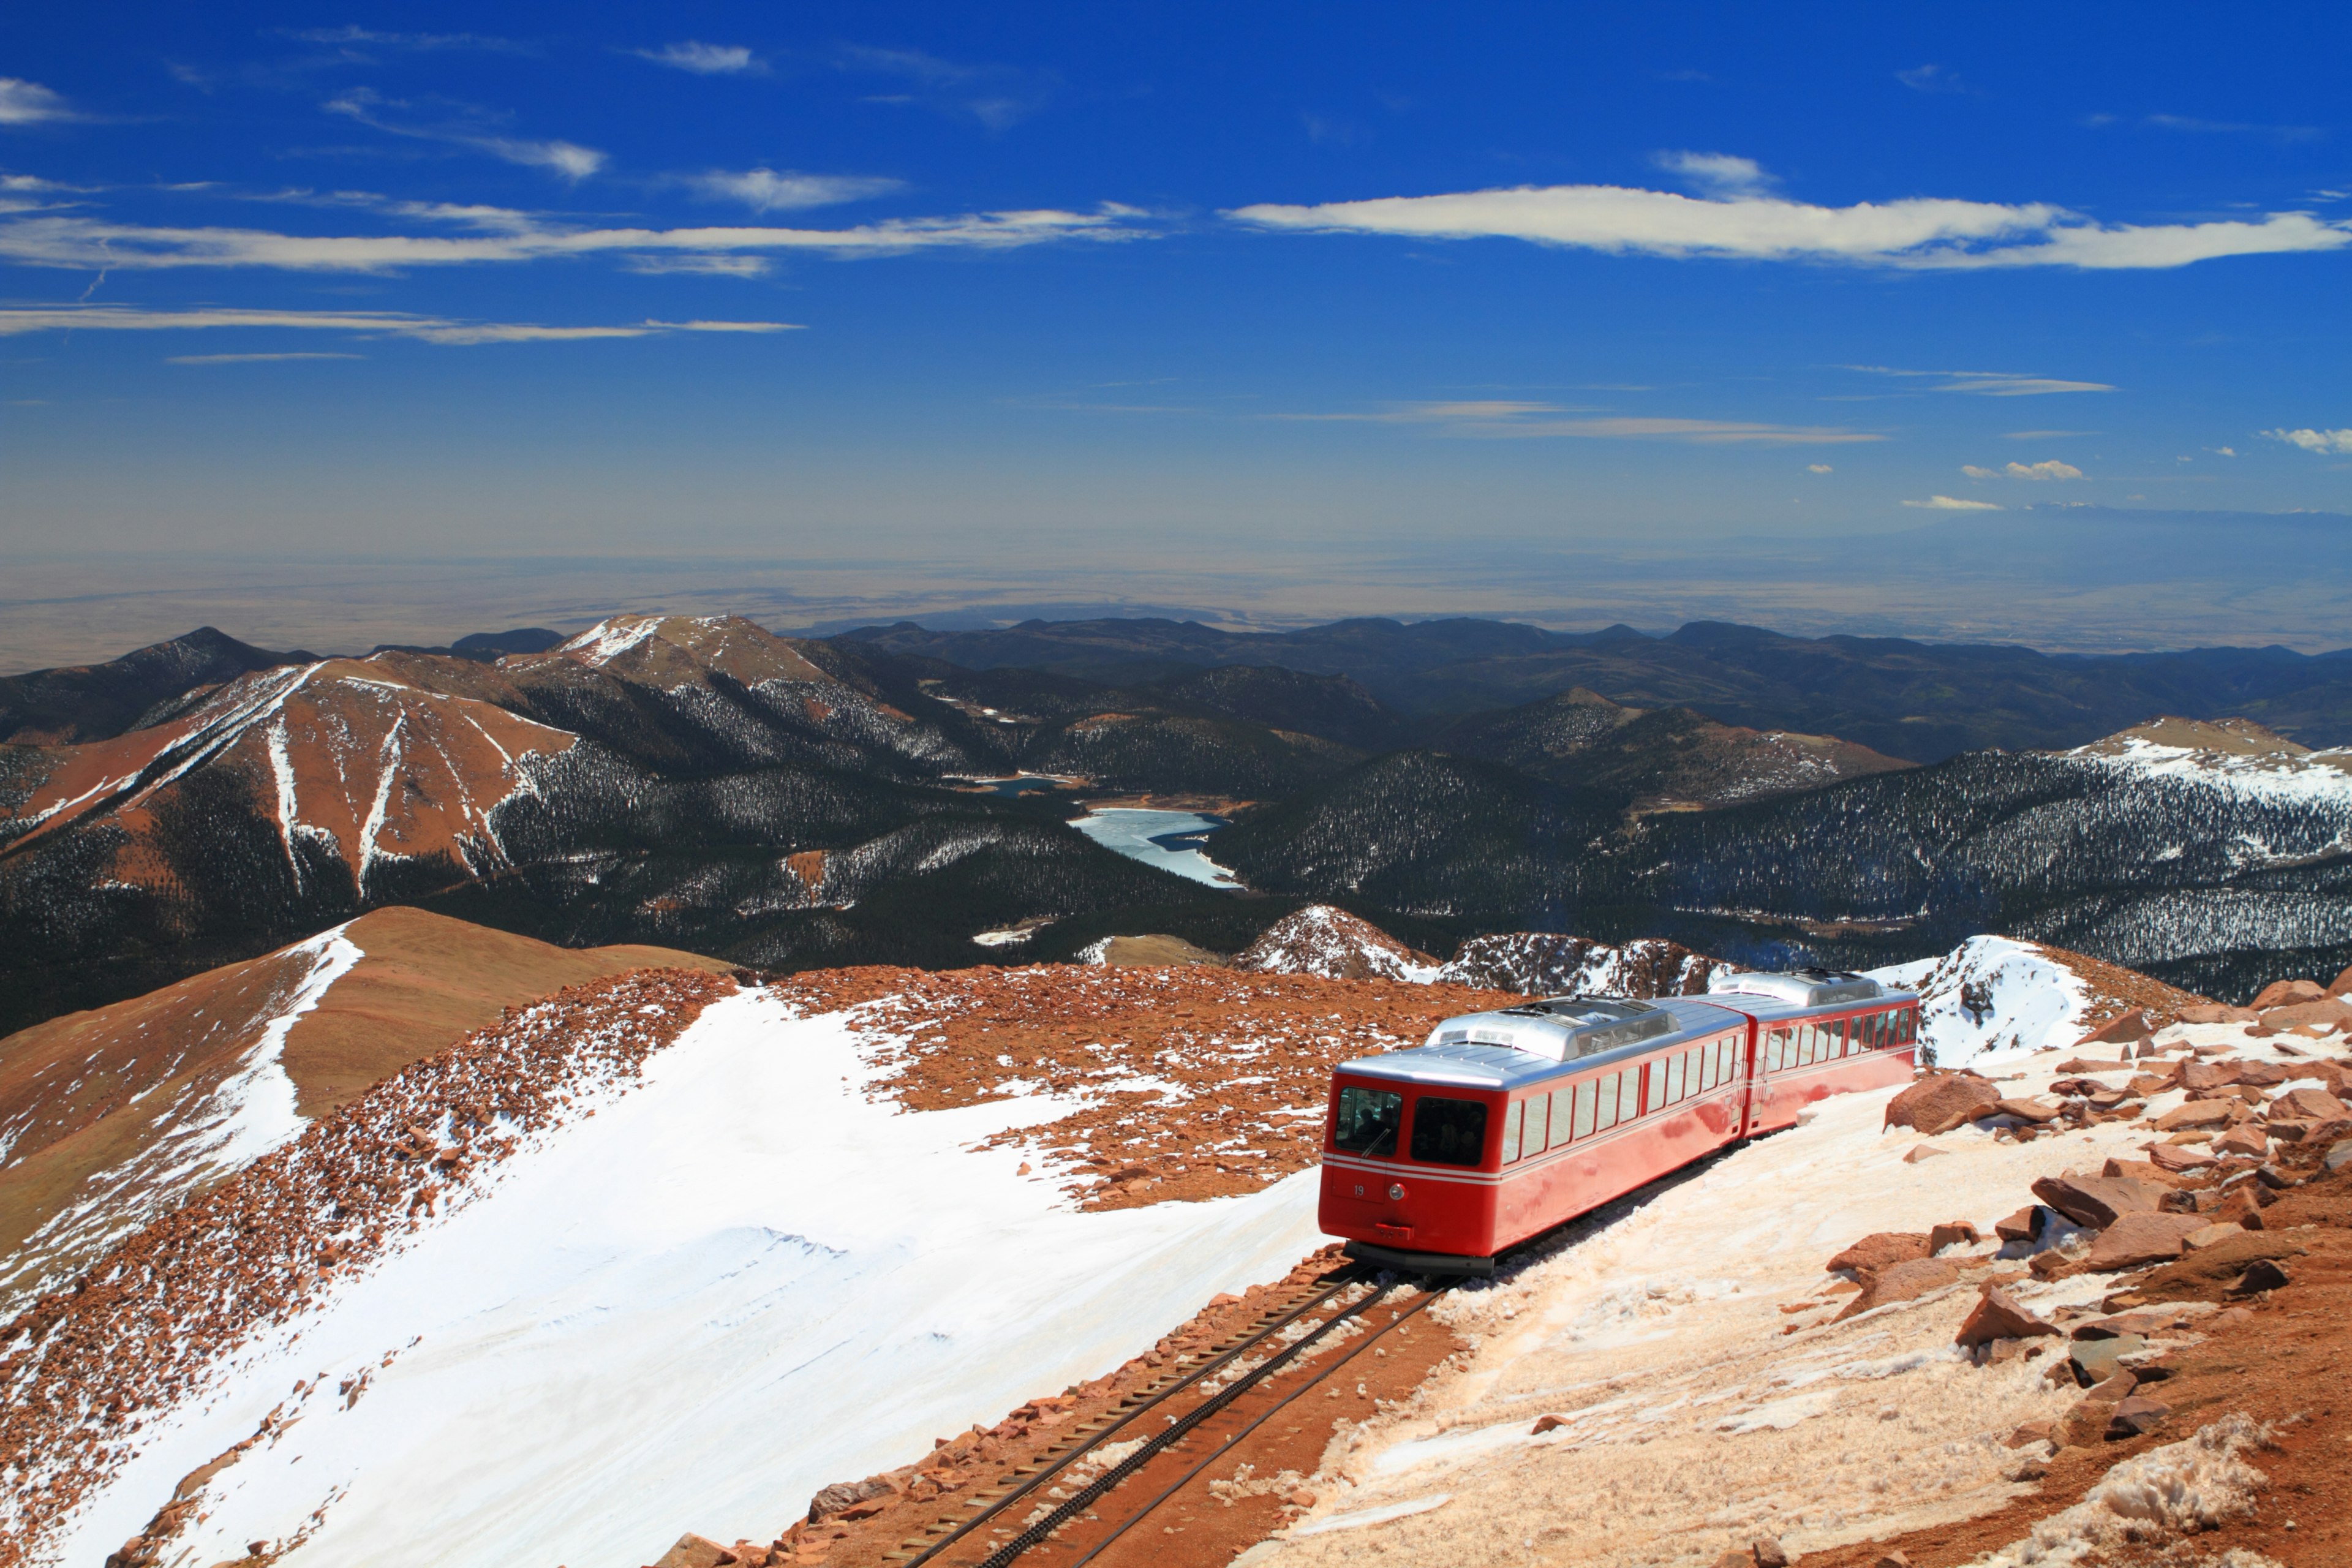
(1561, 1183)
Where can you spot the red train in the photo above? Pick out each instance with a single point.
(1505, 1124)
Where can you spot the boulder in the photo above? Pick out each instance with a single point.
(1879, 1249)
(2173, 1159)
(2030, 1432)
(2310, 1105)
(2147, 1083)
(2264, 1075)
(2286, 992)
(2135, 1416)
(2216, 1013)
(2262, 1274)
(1997, 1315)
(2098, 1201)
(2129, 1025)
(2242, 1205)
(842, 1496)
(2031, 1110)
(2198, 1113)
(2022, 1225)
(2138, 1239)
(2205, 1075)
(1941, 1102)
(1768, 1552)
(2247, 1138)
(1900, 1282)
(1952, 1233)
(2099, 1363)
(2209, 1236)
(2339, 1155)
(2207, 1274)
(696, 1551)
(2085, 1425)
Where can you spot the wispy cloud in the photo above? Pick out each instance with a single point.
(568, 159)
(1716, 174)
(765, 190)
(250, 359)
(707, 59)
(1930, 78)
(1912, 233)
(2044, 435)
(365, 323)
(2326, 441)
(2051, 470)
(2195, 125)
(26, 102)
(1819, 469)
(701, 265)
(85, 243)
(1952, 503)
(1497, 419)
(422, 43)
(998, 97)
(1991, 384)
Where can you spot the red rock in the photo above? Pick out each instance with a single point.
(1895, 1559)
(1997, 1315)
(1900, 1282)
(2174, 1159)
(2084, 1425)
(1768, 1552)
(2264, 1075)
(2032, 1432)
(2031, 1110)
(2092, 1064)
(2310, 1105)
(2138, 1171)
(1879, 1249)
(1924, 1151)
(2340, 985)
(2285, 993)
(1940, 1103)
(2205, 1075)
(2098, 1201)
(2196, 1113)
(2129, 1025)
(1545, 1424)
(2247, 1138)
(2211, 1236)
(2138, 1239)
(1953, 1233)
(2019, 1227)
(2215, 1013)
(695, 1551)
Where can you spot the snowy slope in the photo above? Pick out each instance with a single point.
(2030, 1000)
(731, 1285)
(1336, 945)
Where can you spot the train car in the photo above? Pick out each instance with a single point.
(1505, 1124)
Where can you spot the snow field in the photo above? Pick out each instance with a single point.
(732, 1284)
(1691, 1421)
(2035, 1001)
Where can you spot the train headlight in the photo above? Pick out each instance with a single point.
(1396, 1192)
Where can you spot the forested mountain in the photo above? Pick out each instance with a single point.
(1919, 701)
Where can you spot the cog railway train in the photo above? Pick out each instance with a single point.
(1507, 1123)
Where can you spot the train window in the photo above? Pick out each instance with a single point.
(1804, 1045)
(1729, 1051)
(1368, 1122)
(1608, 1111)
(1533, 1142)
(1879, 1031)
(1710, 1063)
(1586, 1092)
(1776, 1057)
(1671, 1090)
(1560, 1100)
(1628, 1094)
(1448, 1131)
(1512, 1120)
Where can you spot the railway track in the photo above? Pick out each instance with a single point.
(1202, 1390)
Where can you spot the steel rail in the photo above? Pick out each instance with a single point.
(1102, 1485)
(1225, 1447)
(1354, 1276)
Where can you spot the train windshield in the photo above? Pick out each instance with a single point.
(1368, 1122)
(1449, 1132)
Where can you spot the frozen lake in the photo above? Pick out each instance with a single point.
(1168, 839)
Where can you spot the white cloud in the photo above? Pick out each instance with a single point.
(2051, 470)
(765, 190)
(250, 359)
(1716, 174)
(83, 243)
(1818, 468)
(370, 323)
(702, 266)
(28, 103)
(1952, 503)
(1992, 383)
(361, 38)
(2328, 441)
(998, 97)
(2226, 452)
(568, 159)
(706, 59)
(1918, 232)
(1505, 420)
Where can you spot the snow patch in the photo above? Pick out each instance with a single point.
(1992, 997)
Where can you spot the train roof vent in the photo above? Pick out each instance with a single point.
(1594, 1024)
(1806, 987)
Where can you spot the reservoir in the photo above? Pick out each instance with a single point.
(1170, 840)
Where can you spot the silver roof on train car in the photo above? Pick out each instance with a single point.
(1800, 987)
(1543, 1038)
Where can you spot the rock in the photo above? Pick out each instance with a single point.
(1952, 1233)
(2196, 1113)
(1545, 1424)
(696, 1551)
(2204, 1274)
(2032, 1432)
(1924, 1151)
(2246, 1138)
(2216, 1013)
(2264, 1075)
(2240, 1205)
(2173, 1160)
(2140, 1321)
(1300, 1497)
(1879, 1249)
(2339, 1155)
(2209, 1236)
(1768, 1552)
(1997, 1315)
(2084, 1425)
(2022, 1225)
(2135, 1416)
(2031, 1468)
(2098, 1201)
(2310, 1105)
(2138, 1171)
(2100, 1362)
(2138, 1239)
(2129, 1025)
(2030, 1110)
(2204, 1075)
(2264, 1275)
(1734, 1558)
(844, 1495)
(1900, 1282)
(1941, 1102)
(2286, 992)
(1895, 1559)
(2146, 1083)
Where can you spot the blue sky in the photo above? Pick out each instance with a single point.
(917, 286)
